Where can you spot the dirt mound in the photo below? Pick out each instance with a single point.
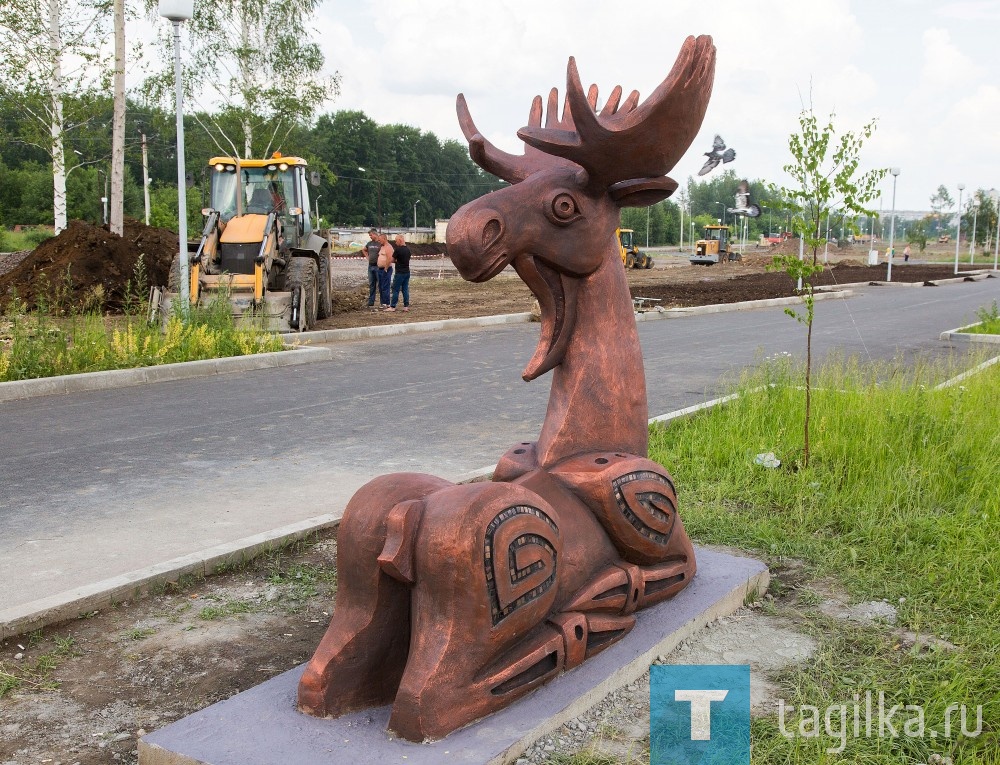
(762, 286)
(345, 300)
(96, 264)
(426, 250)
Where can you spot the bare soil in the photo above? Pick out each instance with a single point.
(85, 691)
(438, 292)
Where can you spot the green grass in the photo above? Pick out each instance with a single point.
(989, 321)
(61, 338)
(900, 501)
(23, 240)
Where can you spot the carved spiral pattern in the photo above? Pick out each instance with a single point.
(519, 558)
(650, 513)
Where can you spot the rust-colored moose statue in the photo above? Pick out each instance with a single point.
(454, 600)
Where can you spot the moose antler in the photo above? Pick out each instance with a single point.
(513, 168)
(633, 142)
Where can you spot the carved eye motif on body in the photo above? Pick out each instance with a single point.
(564, 209)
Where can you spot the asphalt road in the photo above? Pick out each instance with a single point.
(101, 483)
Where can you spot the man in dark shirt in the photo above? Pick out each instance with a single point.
(371, 250)
(401, 279)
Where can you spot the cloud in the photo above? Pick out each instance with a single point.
(944, 65)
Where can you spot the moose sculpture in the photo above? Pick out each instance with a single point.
(454, 600)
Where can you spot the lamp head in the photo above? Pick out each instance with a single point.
(177, 10)
(894, 171)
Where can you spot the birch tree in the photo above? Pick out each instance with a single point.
(253, 61)
(50, 49)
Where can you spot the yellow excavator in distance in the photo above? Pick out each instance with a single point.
(715, 247)
(631, 256)
(258, 247)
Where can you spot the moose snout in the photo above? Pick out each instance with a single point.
(476, 243)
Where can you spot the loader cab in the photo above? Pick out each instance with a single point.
(262, 187)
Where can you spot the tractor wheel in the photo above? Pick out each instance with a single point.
(649, 261)
(630, 261)
(302, 274)
(324, 307)
(174, 275)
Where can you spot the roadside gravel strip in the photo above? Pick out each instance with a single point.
(300, 353)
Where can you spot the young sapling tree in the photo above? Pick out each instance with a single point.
(824, 173)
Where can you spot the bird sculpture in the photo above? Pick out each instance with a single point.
(719, 153)
(743, 206)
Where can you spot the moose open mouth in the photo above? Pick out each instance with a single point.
(556, 296)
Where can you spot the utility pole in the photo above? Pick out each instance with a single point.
(145, 177)
(118, 126)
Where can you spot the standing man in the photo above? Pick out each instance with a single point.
(384, 264)
(906, 254)
(371, 250)
(401, 281)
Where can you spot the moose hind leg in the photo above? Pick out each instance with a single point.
(361, 658)
(486, 579)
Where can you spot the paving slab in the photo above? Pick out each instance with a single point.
(261, 726)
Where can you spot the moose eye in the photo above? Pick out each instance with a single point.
(564, 209)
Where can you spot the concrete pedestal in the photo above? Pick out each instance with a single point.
(262, 727)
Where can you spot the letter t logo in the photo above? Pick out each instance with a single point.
(701, 710)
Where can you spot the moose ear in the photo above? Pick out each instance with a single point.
(642, 192)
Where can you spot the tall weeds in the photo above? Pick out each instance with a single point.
(61, 337)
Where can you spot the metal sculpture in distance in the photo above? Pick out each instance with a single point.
(455, 600)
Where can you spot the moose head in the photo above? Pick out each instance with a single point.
(555, 224)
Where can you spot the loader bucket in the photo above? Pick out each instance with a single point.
(273, 316)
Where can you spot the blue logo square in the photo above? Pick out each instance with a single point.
(699, 715)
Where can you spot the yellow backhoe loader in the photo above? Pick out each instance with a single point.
(715, 247)
(631, 256)
(258, 247)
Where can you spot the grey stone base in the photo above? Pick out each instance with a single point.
(262, 727)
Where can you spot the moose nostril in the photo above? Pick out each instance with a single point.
(491, 232)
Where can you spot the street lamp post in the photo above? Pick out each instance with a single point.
(177, 11)
(378, 191)
(975, 221)
(415, 216)
(892, 224)
(826, 244)
(681, 248)
(723, 213)
(995, 196)
(958, 228)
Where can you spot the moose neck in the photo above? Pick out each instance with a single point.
(598, 397)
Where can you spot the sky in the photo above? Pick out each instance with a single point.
(926, 70)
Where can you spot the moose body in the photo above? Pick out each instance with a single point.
(454, 600)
